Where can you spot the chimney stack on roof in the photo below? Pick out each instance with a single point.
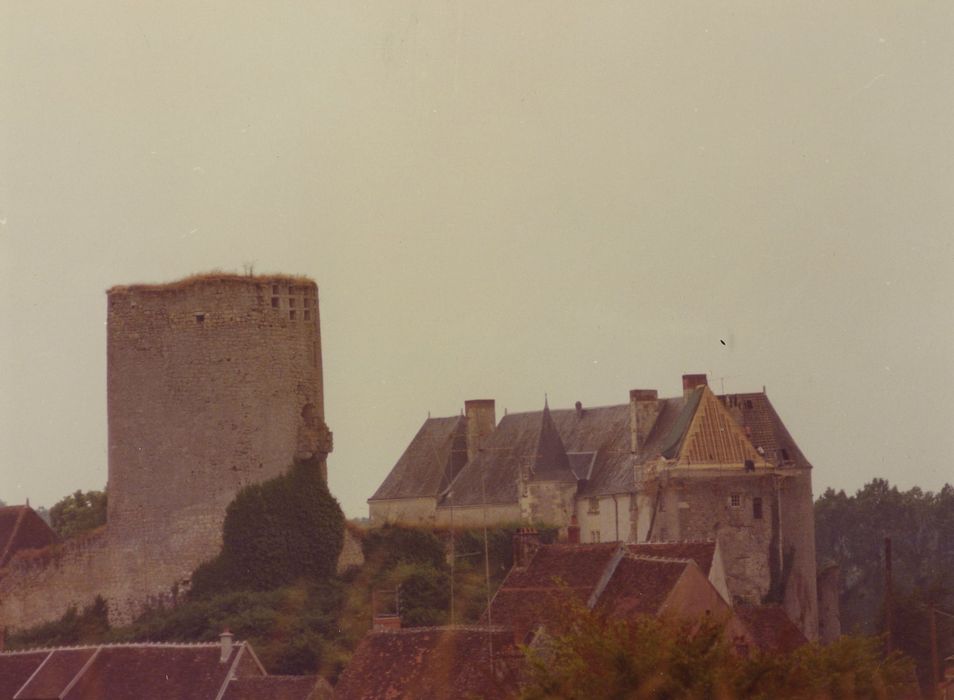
(643, 411)
(526, 542)
(690, 382)
(481, 422)
(225, 640)
(573, 530)
(579, 409)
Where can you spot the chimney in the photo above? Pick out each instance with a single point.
(481, 421)
(573, 530)
(526, 542)
(579, 409)
(643, 411)
(690, 382)
(225, 642)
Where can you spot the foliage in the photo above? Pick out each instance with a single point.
(73, 628)
(275, 533)
(596, 657)
(850, 531)
(78, 512)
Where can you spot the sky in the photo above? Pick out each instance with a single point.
(505, 200)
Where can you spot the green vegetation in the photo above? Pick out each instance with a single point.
(599, 657)
(275, 533)
(78, 512)
(850, 532)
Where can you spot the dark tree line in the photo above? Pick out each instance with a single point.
(850, 531)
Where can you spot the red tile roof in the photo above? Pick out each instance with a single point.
(56, 673)
(279, 688)
(771, 628)
(431, 663)
(640, 585)
(16, 669)
(701, 553)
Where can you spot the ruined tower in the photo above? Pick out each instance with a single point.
(213, 382)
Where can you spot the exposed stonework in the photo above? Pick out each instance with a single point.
(213, 383)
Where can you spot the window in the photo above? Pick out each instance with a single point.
(291, 314)
(594, 505)
(199, 318)
(735, 500)
(594, 535)
(291, 302)
(784, 454)
(307, 314)
(749, 465)
(748, 403)
(274, 302)
(757, 508)
(274, 289)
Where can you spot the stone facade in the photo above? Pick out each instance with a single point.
(213, 383)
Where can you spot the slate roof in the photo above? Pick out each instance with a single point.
(701, 553)
(22, 528)
(137, 672)
(431, 663)
(432, 460)
(771, 628)
(640, 586)
(523, 441)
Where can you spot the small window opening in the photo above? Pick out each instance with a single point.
(784, 454)
(274, 302)
(306, 302)
(291, 302)
(291, 314)
(307, 315)
(748, 403)
(274, 289)
(757, 508)
(749, 465)
(594, 535)
(594, 505)
(200, 318)
(735, 500)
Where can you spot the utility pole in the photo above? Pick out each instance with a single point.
(935, 664)
(888, 602)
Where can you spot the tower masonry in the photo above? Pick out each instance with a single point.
(214, 382)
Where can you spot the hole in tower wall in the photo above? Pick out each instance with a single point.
(200, 318)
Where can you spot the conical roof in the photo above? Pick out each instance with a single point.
(550, 462)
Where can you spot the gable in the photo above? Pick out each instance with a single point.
(713, 438)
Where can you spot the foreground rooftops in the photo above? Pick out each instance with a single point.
(215, 671)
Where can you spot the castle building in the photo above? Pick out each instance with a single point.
(692, 467)
(214, 382)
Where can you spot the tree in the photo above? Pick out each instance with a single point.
(78, 513)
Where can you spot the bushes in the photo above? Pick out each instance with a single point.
(275, 533)
(74, 627)
(78, 512)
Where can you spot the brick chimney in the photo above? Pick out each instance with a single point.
(526, 542)
(690, 382)
(573, 530)
(643, 411)
(225, 644)
(481, 421)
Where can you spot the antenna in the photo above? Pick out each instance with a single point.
(490, 622)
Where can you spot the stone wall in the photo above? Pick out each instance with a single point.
(406, 511)
(212, 384)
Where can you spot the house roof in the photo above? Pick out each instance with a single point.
(640, 585)
(279, 688)
(431, 663)
(432, 460)
(22, 528)
(556, 574)
(702, 553)
(771, 628)
(124, 672)
(524, 444)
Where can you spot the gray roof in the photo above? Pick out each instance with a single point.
(432, 460)
(523, 443)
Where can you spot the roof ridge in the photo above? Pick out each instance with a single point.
(670, 560)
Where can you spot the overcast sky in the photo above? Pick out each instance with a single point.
(498, 200)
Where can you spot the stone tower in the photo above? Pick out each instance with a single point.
(213, 382)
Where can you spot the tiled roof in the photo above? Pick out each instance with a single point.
(279, 688)
(640, 585)
(771, 628)
(16, 669)
(56, 673)
(529, 596)
(22, 528)
(124, 672)
(432, 460)
(431, 663)
(755, 413)
(701, 553)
